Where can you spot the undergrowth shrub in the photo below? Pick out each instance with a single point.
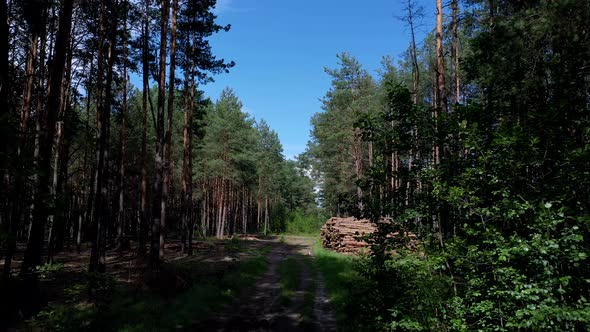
(300, 223)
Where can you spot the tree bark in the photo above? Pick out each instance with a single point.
(42, 199)
(266, 218)
(98, 255)
(187, 173)
(121, 225)
(455, 55)
(167, 182)
(17, 199)
(143, 222)
(159, 208)
(440, 59)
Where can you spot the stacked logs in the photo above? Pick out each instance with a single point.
(345, 235)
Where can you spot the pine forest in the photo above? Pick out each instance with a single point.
(150, 179)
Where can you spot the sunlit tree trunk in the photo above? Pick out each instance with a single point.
(440, 59)
(266, 217)
(258, 203)
(455, 55)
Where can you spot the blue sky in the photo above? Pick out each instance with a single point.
(281, 48)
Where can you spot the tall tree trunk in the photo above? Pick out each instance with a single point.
(98, 254)
(455, 55)
(56, 217)
(5, 112)
(186, 173)
(189, 175)
(89, 191)
(412, 12)
(42, 199)
(41, 101)
(358, 168)
(121, 225)
(17, 206)
(4, 68)
(266, 218)
(97, 227)
(159, 208)
(442, 105)
(258, 204)
(440, 59)
(143, 222)
(168, 148)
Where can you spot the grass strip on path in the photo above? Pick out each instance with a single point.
(340, 278)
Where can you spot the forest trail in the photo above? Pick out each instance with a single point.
(263, 307)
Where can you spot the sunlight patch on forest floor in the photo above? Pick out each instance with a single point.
(187, 290)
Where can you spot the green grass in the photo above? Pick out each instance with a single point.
(289, 282)
(307, 321)
(136, 310)
(289, 278)
(341, 280)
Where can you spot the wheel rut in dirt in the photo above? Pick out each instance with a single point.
(263, 307)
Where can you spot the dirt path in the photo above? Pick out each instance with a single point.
(261, 307)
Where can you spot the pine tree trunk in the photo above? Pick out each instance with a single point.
(168, 148)
(42, 199)
(455, 55)
(357, 155)
(98, 254)
(186, 169)
(5, 112)
(143, 222)
(258, 204)
(121, 225)
(159, 208)
(57, 216)
(17, 206)
(440, 59)
(97, 227)
(266, 218)
(191, 214)
(4, 71)
(414, 53)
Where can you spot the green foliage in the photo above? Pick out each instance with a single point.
(65, 317)
(347, 289)
(336, 147)
(495, 190)
(84, 302)
(47, 271)
(299, 223)
(247, 154)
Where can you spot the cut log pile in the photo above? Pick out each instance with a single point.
(346, 235)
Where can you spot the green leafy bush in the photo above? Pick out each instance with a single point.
(47, 271)
(299, 223)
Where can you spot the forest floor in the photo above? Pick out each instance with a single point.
(290, 295)
(242, 284)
